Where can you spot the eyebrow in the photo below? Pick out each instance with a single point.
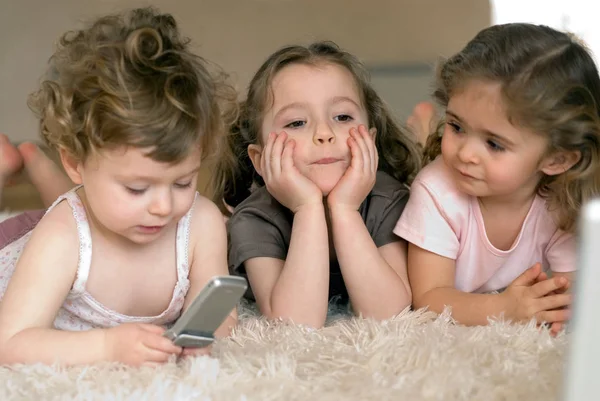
(288, 106)
(335, 100)
(341, 99)
(484, 131)
(152, 179)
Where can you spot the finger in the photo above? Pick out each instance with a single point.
(370, 141)
(266, 157)
(276, 154)
(551, 316)
(196, 351)
(544, 288)
(153, 355)
(357, 161)
(541, 277)
(528, 276)
(160, 343)
(554, 301)
(556, 328)
(360, 137)
(287, 158)
(565, 287)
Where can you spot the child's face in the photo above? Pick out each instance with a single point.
(487, 155)
(316, 106)
(136, 197)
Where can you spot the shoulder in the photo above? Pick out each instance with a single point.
(436, 183)
(204, 209)
(388, 187)
(260, 205)
(436, 177)
(206, 218)
(388, 194)
(59, 222)
(54, 242)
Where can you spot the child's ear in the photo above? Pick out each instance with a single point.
(255, 153)
(71, 165)
(559, 162)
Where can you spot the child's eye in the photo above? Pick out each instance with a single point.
(343, 118)
(135, 191)
(455, 127)
(183, 185)
(295, 124)
(494, 146)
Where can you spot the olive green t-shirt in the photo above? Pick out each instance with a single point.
(262, 227)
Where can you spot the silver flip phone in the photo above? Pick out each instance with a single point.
(196, 327)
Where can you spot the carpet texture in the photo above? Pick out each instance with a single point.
(414, 356)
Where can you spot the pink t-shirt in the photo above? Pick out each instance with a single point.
(444, 221)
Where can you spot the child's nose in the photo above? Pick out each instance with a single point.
(323, 134)
(161, 205)
(467, 152)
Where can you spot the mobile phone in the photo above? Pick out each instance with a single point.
(196, 327)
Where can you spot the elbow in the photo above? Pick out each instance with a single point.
(420, 301)
(431, 299)
(384, 313)
(7, 353)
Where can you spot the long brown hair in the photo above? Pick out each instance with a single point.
(550, 86)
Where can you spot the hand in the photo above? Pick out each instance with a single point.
(359, 178)
(197, 351)
(282, 178)
(555, 327)
(527, 297)
(138, 344)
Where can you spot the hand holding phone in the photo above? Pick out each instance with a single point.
(196, 327)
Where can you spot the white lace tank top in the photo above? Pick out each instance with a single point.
(81, 311)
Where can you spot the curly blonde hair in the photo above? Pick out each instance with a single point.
(550, 85)
(131, 80)
(399, 155)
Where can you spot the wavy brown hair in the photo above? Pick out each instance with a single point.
(235, 174)
(550, 86)
(131, 80)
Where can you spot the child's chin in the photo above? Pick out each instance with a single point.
(326, 187)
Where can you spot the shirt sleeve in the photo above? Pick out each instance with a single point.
(253, 234)
(383, 233)
(561, 252)
(425, 223)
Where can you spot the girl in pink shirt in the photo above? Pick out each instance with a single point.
(497, 206)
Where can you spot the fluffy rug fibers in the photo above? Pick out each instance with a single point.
(414, 356)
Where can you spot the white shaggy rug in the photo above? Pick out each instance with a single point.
(415, 356)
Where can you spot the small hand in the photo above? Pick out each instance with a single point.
(282, 179)
(138, 344)
(197, 351)
(555, 327)
(359, 178)
(529, 297)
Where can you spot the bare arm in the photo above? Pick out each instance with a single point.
(432, 281)
(209, 255)
(43, 277)
(376, 278)
(297, 289)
